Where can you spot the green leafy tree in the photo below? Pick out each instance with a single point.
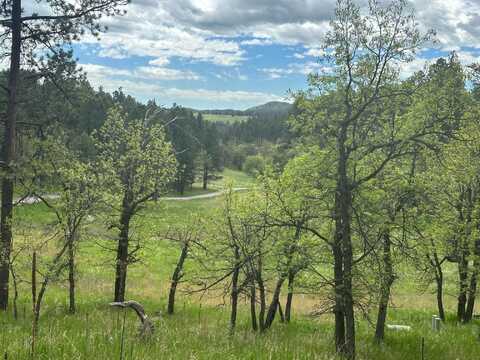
(210, 155)
(452, 187)
(55, 169)
(137, 164)
(31, 39)
(356, 115)
(254, 165)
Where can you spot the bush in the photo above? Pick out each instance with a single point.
(254, 165)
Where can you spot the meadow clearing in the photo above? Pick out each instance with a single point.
(199, 328)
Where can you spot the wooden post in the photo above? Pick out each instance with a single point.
(122, 344)
(34, 302)
(436, 323)
(423, 348)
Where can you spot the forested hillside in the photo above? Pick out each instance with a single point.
(203, 147)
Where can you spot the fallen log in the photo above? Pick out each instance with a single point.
(146, 327)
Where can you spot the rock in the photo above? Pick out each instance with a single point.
(399, 327)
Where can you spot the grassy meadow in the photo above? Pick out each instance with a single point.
(225, 118)
(199, 329)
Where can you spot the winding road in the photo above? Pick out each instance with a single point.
(201, 196)
(34, 199)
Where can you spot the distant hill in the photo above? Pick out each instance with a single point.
(272, 108)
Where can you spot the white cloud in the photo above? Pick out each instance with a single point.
(143, 88)
(105, 71)
(409, 68)
(456, 21)
(142, 72)
(220, 32)
(257, 42)
(296, 68)
(150, 30)
(315, 52)
(198, 30)
(162, 73)
(308, 33)
(161, 61)
(468, 58)
(421, 63)
(221, 95)
(113, 53)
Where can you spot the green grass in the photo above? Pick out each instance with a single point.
(196, 189)
(237, 178)
(225, 118)
(196, 332)
(201, 331)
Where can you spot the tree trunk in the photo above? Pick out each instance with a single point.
(343, 293)
(387, 281)
(261, 292)
(253, 305)
(280, 311)
(15, 292)
(8, 153)
(205, 177)
(348, 295)
(288, 305)
(34, 302)
(441, 310)
(234, 299)
(71, 276)
(272, 309)
(338, 307)
(122, 249)
(54, 270)
(472, 293)
(437, 266)
(467, 201)
(462, 292)
(177, 275)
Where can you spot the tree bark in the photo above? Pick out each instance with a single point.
(272, 309)
(338, 306)
(462, 292)
(34, 302)
(122, 249)
(280, 311)
(472, 293)
(288, 305)
(71, 276)
(205, 177)
(387, 281)
(261, 292)
(177, 275)
(467, 201)
(234, 297)
(15, 292)
(439, 281)
(253, 305)
(343, 292)
(8, 153)
(436, 263)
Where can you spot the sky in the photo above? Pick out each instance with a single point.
(215, 54)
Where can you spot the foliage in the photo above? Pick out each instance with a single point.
(254, 165)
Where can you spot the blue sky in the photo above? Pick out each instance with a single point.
(239, 53)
